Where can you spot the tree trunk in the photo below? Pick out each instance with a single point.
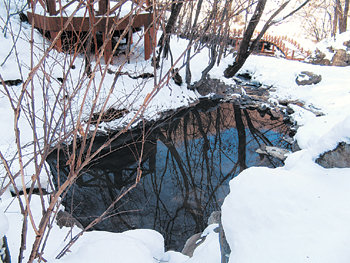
(335, 19)
(343, 17)
(213, 56)
(164, 41)
(243, 51)
(247, 45)
(242, 141)
(188, 70)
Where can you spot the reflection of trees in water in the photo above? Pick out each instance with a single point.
(205, 150)
(187, 164)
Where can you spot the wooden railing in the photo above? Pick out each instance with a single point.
(51, 5)
(107, 18)
(280, 43)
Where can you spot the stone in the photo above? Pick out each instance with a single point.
(274, 115)
(319, 58)
(341, 58)
(210, 85)
(214, 218)
(177, 77)
(192, 243)
(66, 219)
(337, 158)
(347, 44)
(307, 78)
(12, 82)
(5, 256)
(289, 110)
(275, 152)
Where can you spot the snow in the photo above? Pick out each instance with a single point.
(133, 246)
(329, 45)
(296, 213)
(299, 212)
(4, 224)
(209, 250)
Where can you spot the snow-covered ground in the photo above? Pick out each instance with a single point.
(299, 212)
(296, 213)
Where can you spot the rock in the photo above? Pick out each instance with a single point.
(319, 58)
(289, 110)
(307, 78)
(214, 218)
(23, 17)
(341, 58)
(195, 240)
(245, 76)
(109, 115)
(347, 44)
(12, 82)
(177, 77)
(66, 219)
(330, 49)
(216, 86)
(5, 256)
(192, 243)
(337, 158)
(276, 152)
(274, 115)
(295, 146)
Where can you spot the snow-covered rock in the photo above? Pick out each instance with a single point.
(332, 51)
(339, 157)
(307, 78)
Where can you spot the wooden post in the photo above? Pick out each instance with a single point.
(150, 37)
(102, 7)
(107, 53)
(148, 42)
(51, 7)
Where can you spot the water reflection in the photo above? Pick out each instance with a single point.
(187, 163)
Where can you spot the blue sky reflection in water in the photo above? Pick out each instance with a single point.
(187, 163)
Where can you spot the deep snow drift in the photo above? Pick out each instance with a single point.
(296, 213)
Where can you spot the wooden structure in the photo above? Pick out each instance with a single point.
(270, 45)
(102, 20)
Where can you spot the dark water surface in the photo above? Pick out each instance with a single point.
(187, 163)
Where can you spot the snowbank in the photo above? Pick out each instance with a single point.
(130, 247)
(299, 212)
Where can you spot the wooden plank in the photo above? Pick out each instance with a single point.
(54, 23)
(58, 44)
(103, 24)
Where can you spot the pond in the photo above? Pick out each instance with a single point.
(187, 162)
